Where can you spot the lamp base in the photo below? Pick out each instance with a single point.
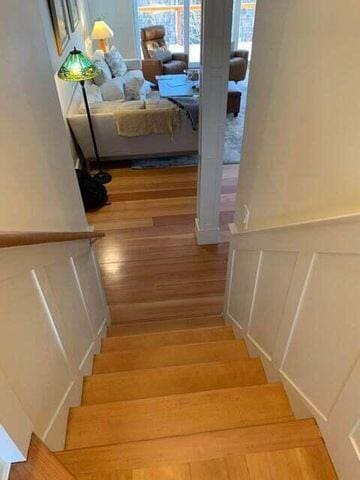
(103, 177)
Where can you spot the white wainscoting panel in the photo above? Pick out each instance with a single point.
(245, 265)
(30, 351)
(294, 294)
(324, 344)
(76, 336)
(53, 315)
(274, 279)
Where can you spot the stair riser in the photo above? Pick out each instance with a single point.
(203, 335)
(107, 460)
(171, 380)
(177, 415)
(165, 325)
(170, 356)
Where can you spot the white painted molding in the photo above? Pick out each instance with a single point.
(293, 293)
(4, 470)
(216, 40)
(54, 314)
(206, 237)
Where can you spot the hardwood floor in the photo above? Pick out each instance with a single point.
(149, 259)
(173, 394)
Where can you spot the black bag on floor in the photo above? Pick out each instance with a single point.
(93, 193)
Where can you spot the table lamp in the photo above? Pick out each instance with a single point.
(102, 32)
(78, 68)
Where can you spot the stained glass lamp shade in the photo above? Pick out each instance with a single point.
(77, 68)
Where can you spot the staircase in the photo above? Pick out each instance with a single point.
(182, 399)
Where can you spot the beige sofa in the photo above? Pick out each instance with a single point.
(112, 146)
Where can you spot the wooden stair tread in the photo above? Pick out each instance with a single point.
(159, 339)
(164, 325)
(167, 309)
(301, 463)
(173, 415)
(170, 356)
(192, 448)
(137, 384)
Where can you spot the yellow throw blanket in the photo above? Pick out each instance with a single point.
(135, 123)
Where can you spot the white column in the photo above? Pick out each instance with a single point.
(216, 38)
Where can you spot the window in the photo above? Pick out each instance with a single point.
(243, 24)
(182, 22)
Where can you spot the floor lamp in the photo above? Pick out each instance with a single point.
(78, 68)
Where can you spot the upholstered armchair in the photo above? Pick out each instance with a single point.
(238, 65)
(158, 60)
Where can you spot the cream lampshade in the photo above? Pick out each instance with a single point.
(102, 32)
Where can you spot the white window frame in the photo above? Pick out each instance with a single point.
(186, 28)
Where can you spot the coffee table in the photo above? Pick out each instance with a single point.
(176, 86)
(180, 86)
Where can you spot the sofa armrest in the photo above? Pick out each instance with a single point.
(151, 68)
(133, 63)
(182, 57)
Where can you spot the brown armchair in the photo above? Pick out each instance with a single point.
(238, 65)
(157, 58)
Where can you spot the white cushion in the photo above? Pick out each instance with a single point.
(113, 90)
(116, 62)
(105, 72)
(134, 81)
(93, 93)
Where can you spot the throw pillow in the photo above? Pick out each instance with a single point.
(113, 90)
(105, 72)
(93, 93)
(116, 62)
(133, 88)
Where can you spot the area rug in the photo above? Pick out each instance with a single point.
(233, 143)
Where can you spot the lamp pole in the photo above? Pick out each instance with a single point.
(101, 176)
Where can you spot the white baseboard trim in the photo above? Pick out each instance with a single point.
(206, 237)
(4, 470)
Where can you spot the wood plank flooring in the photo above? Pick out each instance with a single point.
(173, 394)
(149, 259)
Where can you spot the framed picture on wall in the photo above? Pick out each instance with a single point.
(60, 24)
(74, 15)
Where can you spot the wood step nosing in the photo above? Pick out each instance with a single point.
(195, 330)
(216, 342)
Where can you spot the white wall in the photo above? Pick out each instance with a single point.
(37, 181)
(301, 146)
(52, 307)
(119, 14)
(79, 39)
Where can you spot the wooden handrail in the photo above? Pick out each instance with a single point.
(20, 239)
